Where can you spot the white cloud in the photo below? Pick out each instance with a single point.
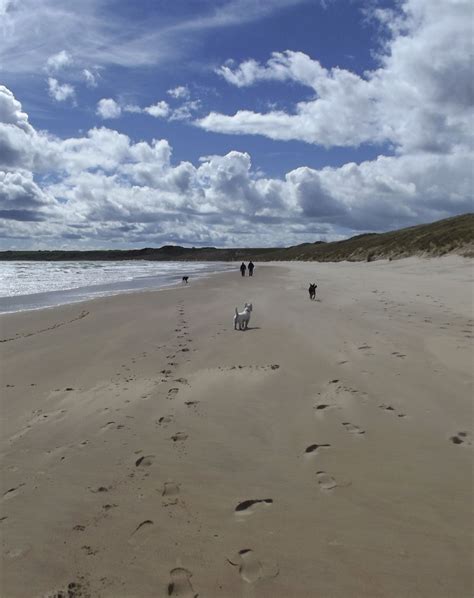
(59, 61)
(60, 92)
(11, 112)
(419, 99)
(103, 189)
(159, 110)
(90, 77)
(282, 66)
(180, 92)
(108, 108)
(186, 111)
(133, 108)
(21, 199)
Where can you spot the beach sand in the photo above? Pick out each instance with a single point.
(150, 450)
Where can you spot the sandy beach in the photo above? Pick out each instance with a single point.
(148, 449)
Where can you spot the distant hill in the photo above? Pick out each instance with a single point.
(452, 235)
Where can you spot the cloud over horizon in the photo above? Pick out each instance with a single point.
(131, 183)
(96, 184)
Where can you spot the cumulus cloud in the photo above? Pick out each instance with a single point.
(59, 61)
(60, 92)
(22, 199)
(419, 99)
(158, 110)
(16, 133)
(11, 112)
(104, 189)
(180, 92)
(108, 108)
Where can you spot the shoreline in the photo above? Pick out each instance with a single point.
(67, 296)
(303, 265)
(325, 451)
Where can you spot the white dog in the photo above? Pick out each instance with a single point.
(242, 319)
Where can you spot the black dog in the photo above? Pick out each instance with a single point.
(312, 291)
(185, 279)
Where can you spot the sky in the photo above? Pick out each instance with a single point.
(225, 123)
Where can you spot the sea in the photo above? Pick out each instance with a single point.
(26, 285)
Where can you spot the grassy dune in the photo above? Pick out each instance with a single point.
(452, 235)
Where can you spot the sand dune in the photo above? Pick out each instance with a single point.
(150, 450)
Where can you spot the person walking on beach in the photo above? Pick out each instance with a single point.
(243, 267)
(251, 267)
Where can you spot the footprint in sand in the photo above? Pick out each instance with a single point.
(137, 535)
(144, 461)
(74, 590)
(390, 408)
(141, 525)
(461, 438)
(101, 489)
(314, 448)
(165, 420)
(324, 407)
(172, 393)
(182, 381)
(326, 482)
(252, 569)
(246, 506)
(352, 428)
(12, 492)
(180, 584)
(108, 426)
(179, 437)
(170, 494)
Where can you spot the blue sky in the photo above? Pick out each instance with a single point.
(230, 123)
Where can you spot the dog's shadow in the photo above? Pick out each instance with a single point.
(249, 328)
